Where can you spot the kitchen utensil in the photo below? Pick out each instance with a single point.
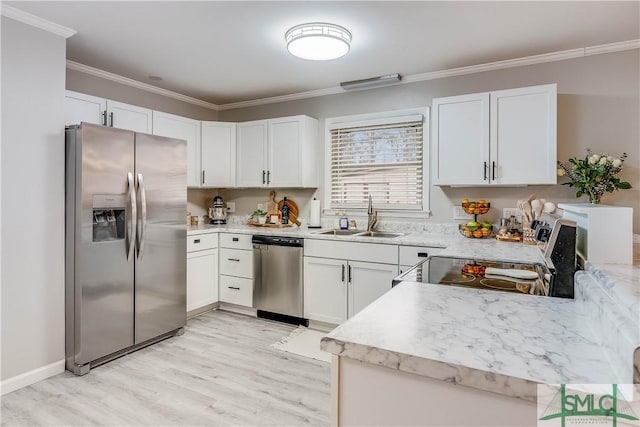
(549, 207)
(512, 272)
(536, 207)
(272, 206)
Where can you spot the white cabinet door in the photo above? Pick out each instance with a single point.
(325, 290)
(368, 281)
(202, 278)
(523, 136)
(129, 117)
(461, 140)
(79, 108)
(285, 145)
(218, 154)
(251, 148)
(172, 126)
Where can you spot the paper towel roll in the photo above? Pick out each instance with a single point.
(314, 213)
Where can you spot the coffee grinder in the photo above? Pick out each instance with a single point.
(218, 213)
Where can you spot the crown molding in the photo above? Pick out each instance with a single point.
(284, 98)
(612, 47)
(412, 78)
(480, 68)
(76, 66)
(36, 21)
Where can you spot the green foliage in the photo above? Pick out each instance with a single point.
(594, 175)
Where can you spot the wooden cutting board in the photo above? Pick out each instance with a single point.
(272, 206)
(293, 211)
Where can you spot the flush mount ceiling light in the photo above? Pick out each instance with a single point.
(318, 41)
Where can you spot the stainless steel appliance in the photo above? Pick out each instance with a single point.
(125, 242)
(471, 273)
(277, 290)
(553, 278)
(218, 213)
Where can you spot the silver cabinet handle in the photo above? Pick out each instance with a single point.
(349, 274)
(485, 171)
(104, 117)
(233, 287)
(233, 259)
(263, 177)
(142, 225)
(268, 177)
(133, 217)
(202, 177)
(196, 241)
(111, 118)
(493, 165)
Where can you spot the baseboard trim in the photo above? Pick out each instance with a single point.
(31, 377)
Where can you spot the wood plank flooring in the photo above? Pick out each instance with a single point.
(221, 372)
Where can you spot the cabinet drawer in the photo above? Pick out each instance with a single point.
(235, 241)
(199, 242)
(236, 262)
(410, 255)
(236, 290)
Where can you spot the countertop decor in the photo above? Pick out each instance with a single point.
(594, 175)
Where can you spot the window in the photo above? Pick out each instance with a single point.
(382, 158)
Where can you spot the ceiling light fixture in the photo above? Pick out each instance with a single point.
(318, 41)
(373, 81)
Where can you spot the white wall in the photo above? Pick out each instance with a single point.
(598, 108)
(32, 189)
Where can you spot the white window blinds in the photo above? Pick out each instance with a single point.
(380, 159)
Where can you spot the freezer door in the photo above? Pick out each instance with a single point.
(161, 262)
(100, 229)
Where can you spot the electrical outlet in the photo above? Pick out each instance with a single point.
(231, 207)
(459, 213)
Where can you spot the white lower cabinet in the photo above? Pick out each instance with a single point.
(236, 269)
(335, 289)
(325, 290)
(202, 270)
(342, 278)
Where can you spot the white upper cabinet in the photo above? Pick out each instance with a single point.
(504, 137)
(218, 154)
(130, 117)
(91, 109)
(178, 127)
(278, 152)
(523, 135)
(79, 108)
(461, 139)
(252, 153)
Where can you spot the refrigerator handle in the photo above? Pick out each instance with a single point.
(142, 224)
(133, 218)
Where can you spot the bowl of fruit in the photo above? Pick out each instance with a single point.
(479, 207)
(477, 230)
(474, 269)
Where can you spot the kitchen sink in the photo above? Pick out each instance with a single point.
(379, 234)
(339, 232)
(359, 233)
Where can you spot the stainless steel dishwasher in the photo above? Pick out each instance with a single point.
(277, 289)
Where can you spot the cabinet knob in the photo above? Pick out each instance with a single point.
(196, 241)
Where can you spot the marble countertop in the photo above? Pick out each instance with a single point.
(495, 341)
(455, 245)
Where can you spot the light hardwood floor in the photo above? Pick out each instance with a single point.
(221, 372)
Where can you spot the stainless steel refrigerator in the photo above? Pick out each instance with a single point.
(126, 199)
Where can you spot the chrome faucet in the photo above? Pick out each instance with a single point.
(372, 216)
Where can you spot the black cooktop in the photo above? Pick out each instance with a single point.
(470, 273)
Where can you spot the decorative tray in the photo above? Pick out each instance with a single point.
(509, 237)
(257, 224)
